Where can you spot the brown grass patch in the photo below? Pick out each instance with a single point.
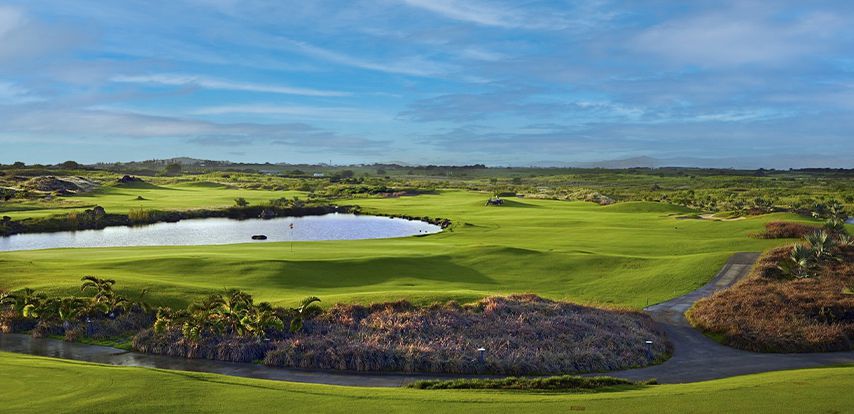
(522, 334)
(785, 230)
(768, 313)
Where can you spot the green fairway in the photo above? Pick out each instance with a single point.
(628, 254)
(35, 384)
(120, 199)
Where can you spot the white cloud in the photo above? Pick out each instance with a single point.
(302, 111)
(741, 35)
(10, 19)
(468, 11)
(214, 83)
(103, 124)
(414, 66)
(22, 38)
(11, 93)
(522, 16)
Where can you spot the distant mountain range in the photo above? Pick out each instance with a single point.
(744, 163)
(747, 163)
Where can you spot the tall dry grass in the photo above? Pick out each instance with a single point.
(766, 312)
(785, 230)
(522, 335)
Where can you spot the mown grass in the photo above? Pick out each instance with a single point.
(631, 254)
(562, 250)
(38, 385)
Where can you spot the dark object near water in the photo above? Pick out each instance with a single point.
(259, 237)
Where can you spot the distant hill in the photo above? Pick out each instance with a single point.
(746, 163)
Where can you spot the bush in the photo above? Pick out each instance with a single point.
(563, 383)
(766, 312)
(140, 216)
(523, 335)
(785, 230)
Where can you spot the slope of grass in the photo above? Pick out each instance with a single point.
(38, 385)
(560, 250)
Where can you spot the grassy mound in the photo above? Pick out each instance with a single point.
(767, 313)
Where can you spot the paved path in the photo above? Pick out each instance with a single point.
(695, 357)
(698, 358)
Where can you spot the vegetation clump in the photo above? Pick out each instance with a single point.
(521, 335)
(102, 315)
(566, 383)
(785, 230)
(797, 299)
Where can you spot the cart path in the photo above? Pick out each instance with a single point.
(698, 358)
(695, 357)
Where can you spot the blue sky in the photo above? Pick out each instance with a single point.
(428, 81)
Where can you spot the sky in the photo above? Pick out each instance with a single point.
(761, 83)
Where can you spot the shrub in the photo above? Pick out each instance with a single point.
(768, 313)
(523, 335)
(785, 230)
(140, 216)
(562, 383)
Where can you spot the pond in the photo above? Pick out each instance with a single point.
(227, 231)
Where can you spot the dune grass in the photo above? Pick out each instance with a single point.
(36, 384)
(629, 254)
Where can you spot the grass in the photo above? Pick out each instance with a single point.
(36, 384)
(122, 199)
(628, 254)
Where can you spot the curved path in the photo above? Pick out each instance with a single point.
(695, 357)
(698, 358)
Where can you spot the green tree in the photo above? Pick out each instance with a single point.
(240, 202)
(173, 169)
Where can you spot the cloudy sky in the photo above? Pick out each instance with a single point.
(427, 81)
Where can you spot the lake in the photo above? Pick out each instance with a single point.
(227, 231)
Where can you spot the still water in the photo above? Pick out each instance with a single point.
(226, 231)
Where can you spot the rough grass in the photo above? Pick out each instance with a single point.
(767, 313)
(566, 383)
(44, 385)
(522, 335)
(785, 230)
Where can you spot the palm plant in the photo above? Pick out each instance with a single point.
(821, 245)
(306, 306)
(261, 318)
(105, 298)
(101, 286)
(800, 263)
(7, 299)
(835, 225)
(27, 302)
